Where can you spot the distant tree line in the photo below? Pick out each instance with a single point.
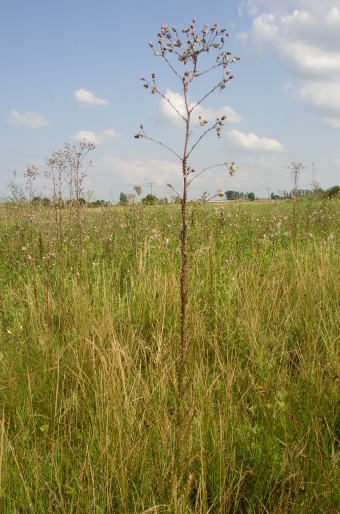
(46, 201)
(150, 199)
(285, 195)
(332, 192)
(239, 195)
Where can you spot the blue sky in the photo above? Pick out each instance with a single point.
(72, 68)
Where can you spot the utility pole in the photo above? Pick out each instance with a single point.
(151, 184)
(268, 188)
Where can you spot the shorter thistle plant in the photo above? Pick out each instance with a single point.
(315, 183)
(31, 176)
(295, 171)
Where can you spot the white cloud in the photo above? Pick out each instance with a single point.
(332, 122)
(98, 138)
(255, 7)
(26, 119)
(324, 96)
(306, 39)
(252, 143)
(210, 114)
(138, 171)
(176, 100)
(292, 38)
(84, 97)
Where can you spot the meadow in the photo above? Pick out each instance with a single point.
(90, 316)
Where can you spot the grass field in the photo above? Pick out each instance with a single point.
(90, 314)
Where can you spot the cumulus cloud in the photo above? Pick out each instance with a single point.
(325, 96)
(26, 119)
(292, 38)
(87, 98)
(313, 62)
(98, 138)
(174, 108)
(252, 143)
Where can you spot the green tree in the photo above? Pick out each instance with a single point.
(233, 195)
(333, 192)
(123, 199)
(150, 200)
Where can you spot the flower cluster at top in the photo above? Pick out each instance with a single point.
(189, 48)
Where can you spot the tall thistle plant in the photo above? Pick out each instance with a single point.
(182, 51)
